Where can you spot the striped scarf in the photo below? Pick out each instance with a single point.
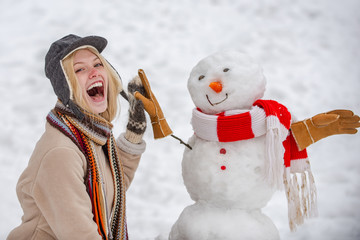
(284, 160)
(94, 129)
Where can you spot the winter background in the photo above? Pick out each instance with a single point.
(310, 52)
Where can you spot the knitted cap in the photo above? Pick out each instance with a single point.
(58, 50)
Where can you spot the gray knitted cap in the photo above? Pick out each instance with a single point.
(53, 70)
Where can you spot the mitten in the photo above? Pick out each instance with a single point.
(160, 126)
(137, 120)
(311, 130)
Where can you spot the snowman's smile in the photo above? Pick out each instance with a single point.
(213, 104)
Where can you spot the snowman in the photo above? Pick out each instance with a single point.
(242, 151)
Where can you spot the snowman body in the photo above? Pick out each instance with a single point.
(225, 179)
(227, 175)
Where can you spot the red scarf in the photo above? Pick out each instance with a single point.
(284, 160)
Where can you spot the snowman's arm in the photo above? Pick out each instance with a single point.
(320, 126)
(160, 127)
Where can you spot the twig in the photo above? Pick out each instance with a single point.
(181, 141)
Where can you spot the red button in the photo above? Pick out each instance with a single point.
(223, 168)
(222, 151)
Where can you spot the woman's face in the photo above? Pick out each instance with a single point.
(93, 79)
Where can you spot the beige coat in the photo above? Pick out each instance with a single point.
(52, 192)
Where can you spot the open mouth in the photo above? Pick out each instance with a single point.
(213, 104)
(96, 90)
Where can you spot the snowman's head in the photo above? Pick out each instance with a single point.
(226, 81)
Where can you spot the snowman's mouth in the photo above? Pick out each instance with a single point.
(213, 104)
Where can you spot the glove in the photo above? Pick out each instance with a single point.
(161, 128)
(335, 122)
(137, 120)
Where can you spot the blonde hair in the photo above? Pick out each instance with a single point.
(114, 87)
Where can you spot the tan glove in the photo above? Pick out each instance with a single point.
(311, 130)
(161, 128)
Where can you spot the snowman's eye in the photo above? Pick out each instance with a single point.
(201, 77)
(226, 69)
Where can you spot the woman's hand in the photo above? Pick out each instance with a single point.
(137, 120)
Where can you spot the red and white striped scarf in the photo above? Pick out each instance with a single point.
(284, 160)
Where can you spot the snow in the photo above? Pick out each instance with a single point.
(309, 50)
(210, 222)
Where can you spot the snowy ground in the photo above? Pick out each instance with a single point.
(310, 52)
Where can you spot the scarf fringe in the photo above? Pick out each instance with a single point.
(275, 136)
(274, 163)
(301, 197)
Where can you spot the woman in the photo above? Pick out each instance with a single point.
(74, 185)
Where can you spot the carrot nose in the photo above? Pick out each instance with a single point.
(216, 86)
